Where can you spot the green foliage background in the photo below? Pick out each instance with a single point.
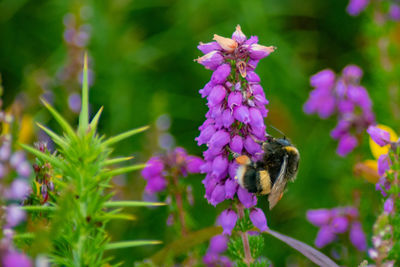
(142, 57)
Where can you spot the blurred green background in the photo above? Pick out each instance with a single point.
(141, 55)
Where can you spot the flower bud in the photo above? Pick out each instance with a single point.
(211, 60)
(227, 44)
(220, 74)
(208, 47)
(258, 219)
(216, 96)
(238, 35)
(258, 52)
(236, 144)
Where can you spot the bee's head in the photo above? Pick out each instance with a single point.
(284, 141)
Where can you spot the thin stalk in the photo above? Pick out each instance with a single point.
(179, 204)
(248, 259)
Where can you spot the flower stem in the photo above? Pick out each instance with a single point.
(248, 259)
(179, 204)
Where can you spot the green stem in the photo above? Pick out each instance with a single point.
(127, 244)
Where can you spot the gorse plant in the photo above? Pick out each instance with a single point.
(82, 208)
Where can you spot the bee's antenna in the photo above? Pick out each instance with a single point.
(284, 136)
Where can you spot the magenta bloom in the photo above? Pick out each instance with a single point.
(258, 219)
(227, 219)
(218, 244)
(355, 7)
(14, 258)
(344, 97)
(381, 137)
(235, 120)
(337, 221)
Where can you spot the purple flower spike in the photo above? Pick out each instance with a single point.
(216, 96)
(381, 137)
(14, 258)
(236, 144)
(206, 90)
(234, 99)
(346, 144)
(355, 7)
(242, 114)
(248, 199)
(218, 244)
(324, 237)
(339, 225)
(258, 219)
(220, 75)
(227, 220)
(15, 215)
(357, 236)
(194, 163)
(211, 60)
(319, 217)
(154, 167)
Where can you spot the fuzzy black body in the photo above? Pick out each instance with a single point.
(270, 175)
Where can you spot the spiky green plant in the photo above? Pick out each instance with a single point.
(79, 217)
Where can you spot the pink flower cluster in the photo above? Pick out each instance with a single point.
(235, 120)
(346, 98)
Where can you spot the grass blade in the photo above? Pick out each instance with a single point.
(57, 116)
(124, 170)
(84, 115)
(116, 160)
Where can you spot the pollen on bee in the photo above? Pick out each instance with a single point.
(243, 160)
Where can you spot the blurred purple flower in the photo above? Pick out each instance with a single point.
(394, 12)
(381, 137)
(324, 237)
(319, 217)
(355, 7)
(16, 259)
(389, 205)
(74, 102)
(357, 236)
(344, 97)
(15, 215)
(218, 244)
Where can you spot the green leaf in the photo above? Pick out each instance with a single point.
(44, 156)
(84, 115)
(57, 116)
(116, 160)
(128, 244)
(116, 139)
(120, 204)
(124, 170)
(185, 244)
(37, 208)
(95, 120)
(56, 138)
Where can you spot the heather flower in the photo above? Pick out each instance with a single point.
(258, 219)
(14, 258)
(355, 7)
(337, 221)
(344, 97)
(227, 219)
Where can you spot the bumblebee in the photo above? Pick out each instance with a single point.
(269, 176)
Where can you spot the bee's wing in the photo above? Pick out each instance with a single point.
(279, 185)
